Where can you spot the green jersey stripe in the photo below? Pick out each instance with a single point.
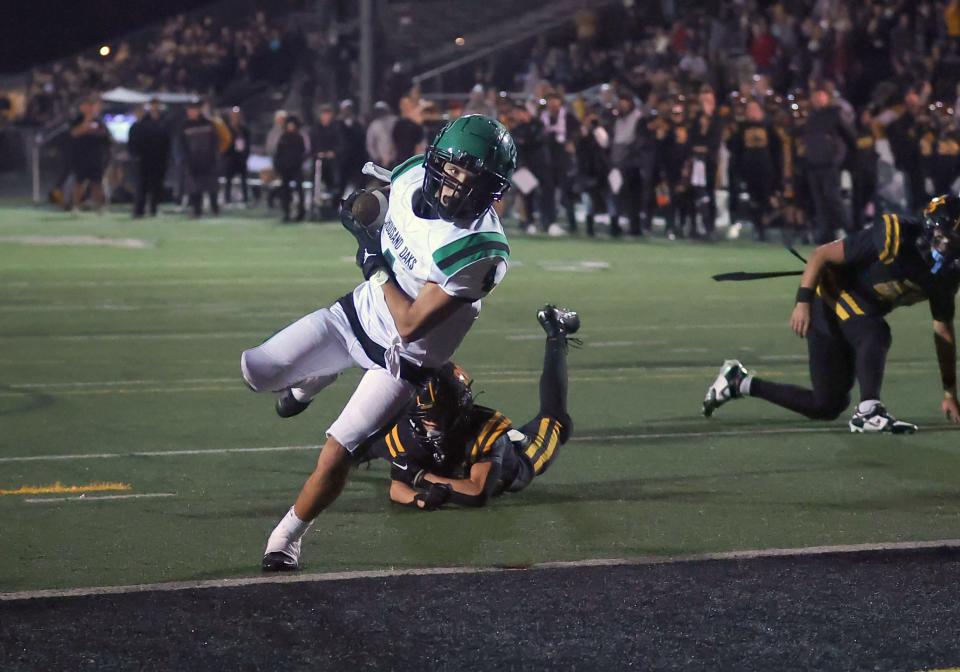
(447, 262)
(477, 256)
(468, 241)
(412, 162)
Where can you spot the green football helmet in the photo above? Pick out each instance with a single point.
(485, 154)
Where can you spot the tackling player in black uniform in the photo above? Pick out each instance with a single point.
(848, 286)
(446, 448)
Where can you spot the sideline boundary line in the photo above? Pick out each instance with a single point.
(173, 586)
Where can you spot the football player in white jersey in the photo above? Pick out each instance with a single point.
(440, 250)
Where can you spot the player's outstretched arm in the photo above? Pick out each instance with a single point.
(945, 342)
(415, 317)
(473, 491)
(435, 496)
(831, 253)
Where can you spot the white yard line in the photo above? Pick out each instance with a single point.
(441, 571)
(490, 371)
(511, 336)
(597, 438)
(176, 282)
(155, 453)
(117, 383)
(96, 498)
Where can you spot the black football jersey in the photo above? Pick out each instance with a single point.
(472, 442)
(883, 269)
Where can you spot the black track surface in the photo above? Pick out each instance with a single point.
(870, 611)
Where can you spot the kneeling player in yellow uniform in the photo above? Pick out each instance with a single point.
(848, 286)
(446, 449)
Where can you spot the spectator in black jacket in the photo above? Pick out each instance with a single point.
(352, 141)
(288, 161)
(200, 147)
(236, 155)
(864, 171)
(325, 142)
(90, 145)
(904, 136)
(532, 154)
(674, 170)
(756, 152)
(827, 140)
(562, 131)
(706, 136)
(593, 166)
(149, 145)
(408, 134)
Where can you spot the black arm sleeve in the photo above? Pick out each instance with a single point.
(942, 304)
(493, 476)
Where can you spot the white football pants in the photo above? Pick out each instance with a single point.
(309, 354)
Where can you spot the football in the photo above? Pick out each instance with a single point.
(370, 208)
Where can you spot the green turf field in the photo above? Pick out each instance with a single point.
(120, 364)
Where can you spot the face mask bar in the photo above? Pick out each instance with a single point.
(944, 251)
(467, 201)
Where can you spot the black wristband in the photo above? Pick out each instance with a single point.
(805, 295)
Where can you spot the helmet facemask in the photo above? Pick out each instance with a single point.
(440, 407)
(944, 250)
(941, 219)
(458, 187)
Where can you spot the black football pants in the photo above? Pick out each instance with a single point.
(841, 351)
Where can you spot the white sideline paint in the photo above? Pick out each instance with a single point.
(97, 498)
(442, 571)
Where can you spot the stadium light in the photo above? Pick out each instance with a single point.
(105, 50)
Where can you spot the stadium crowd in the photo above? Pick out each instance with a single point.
(636, 118)
(204, 54)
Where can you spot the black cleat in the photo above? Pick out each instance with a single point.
(279, 562)
(288, 406)
(558, 321)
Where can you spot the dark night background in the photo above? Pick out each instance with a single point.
(37, 31)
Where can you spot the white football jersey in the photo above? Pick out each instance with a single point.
(466, 259)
